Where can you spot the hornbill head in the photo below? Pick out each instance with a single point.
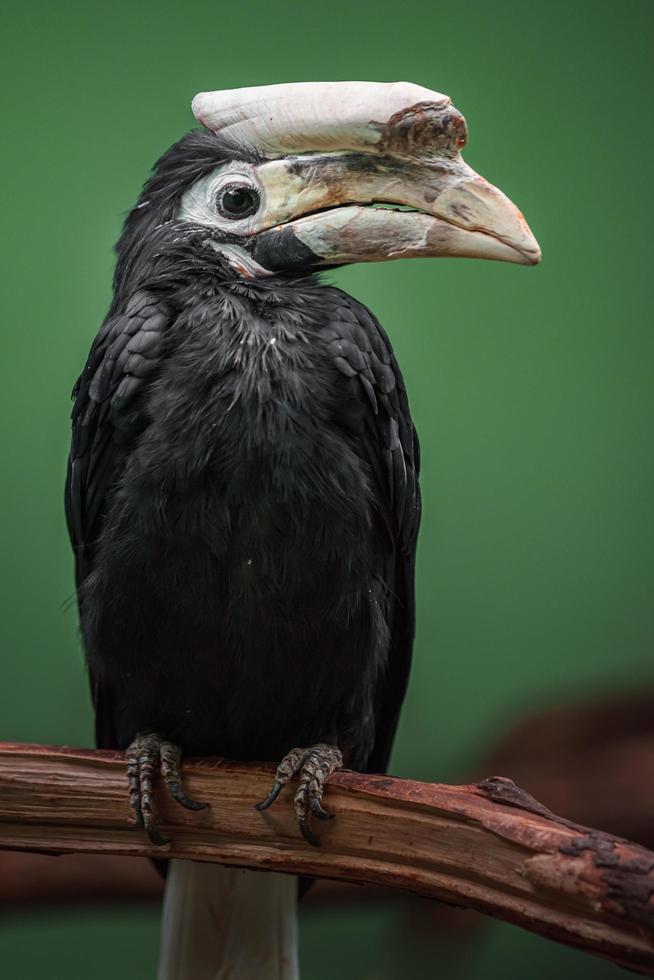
(297, 177)
(346, 172)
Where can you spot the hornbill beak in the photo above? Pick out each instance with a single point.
(363, 172)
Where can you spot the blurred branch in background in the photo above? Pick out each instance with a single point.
(591, 760)
(489, 846)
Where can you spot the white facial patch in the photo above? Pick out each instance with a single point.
(200, 204)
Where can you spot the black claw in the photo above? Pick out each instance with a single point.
(308, 833)
(156, 838)
(272, 796)
(318, 811)
(191, 804)
(179, 796)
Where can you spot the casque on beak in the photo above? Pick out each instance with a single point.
(365, 172)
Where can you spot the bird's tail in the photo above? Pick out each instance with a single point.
(227, 924)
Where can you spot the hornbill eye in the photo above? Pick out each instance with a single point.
(238, 201)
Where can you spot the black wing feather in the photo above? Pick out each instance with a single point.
(388, 442)
(109, 412)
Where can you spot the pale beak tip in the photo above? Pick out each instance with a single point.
(533, 255)
(527, 245)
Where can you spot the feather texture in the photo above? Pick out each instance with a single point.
(243, 503)
(250, 480)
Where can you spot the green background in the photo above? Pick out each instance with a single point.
(531, 388)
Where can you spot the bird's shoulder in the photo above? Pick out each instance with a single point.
(121, 361)
(108, 407)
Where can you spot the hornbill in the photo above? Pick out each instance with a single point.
(242, 492)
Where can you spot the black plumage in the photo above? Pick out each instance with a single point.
(242, 500)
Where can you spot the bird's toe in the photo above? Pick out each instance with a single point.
(287, 768)
(314, 766)
(170, 758)
(148, 755)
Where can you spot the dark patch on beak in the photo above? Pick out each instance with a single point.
(280, 250)
(424, 130)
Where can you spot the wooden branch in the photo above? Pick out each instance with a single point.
(490, 846)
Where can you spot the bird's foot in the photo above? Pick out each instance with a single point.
(148, 754)
(315, 765)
